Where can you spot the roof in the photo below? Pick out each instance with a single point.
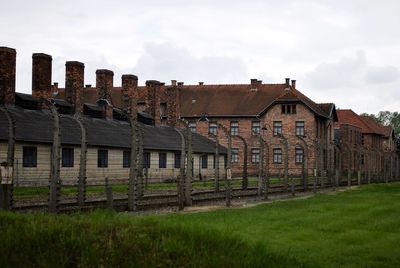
(36, 126)
(223, 100)
(367, 124)
(239, 100)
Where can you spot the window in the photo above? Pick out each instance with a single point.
(212, 128)
(300, 128)
(255, 127)
(163, 109)
(102, 158)
(299, 155)
(67, 157)
(177, 162)
(192, 127)
(126, 159)
(234, 128)
(277, 128)
(277, 155)
(255, 155)
(146, 160)
(29, 155)
(162, 160)
(141, 106)
(204, 161)
(288, 108)
(235, 155)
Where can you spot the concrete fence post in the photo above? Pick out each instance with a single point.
(55, 181)
(6, 190)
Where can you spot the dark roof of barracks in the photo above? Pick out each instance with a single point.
(36, 126)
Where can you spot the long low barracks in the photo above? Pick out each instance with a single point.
(272, 123)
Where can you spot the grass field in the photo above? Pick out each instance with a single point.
(358, 228)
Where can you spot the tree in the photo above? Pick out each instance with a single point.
(387, 118)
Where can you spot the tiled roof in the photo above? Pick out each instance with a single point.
(367, 124)
(222, 100)
(238, 100)
(36, 126)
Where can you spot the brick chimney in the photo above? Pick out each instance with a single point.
(253, 84)
(287, 82)
(173, 82)
(104, 85)
(7, 75)
(293, 84)
(173, 105)
(153, 100)
(180, 84)
(41, 76)
(201, 83)
(129, 94)
(74, 81)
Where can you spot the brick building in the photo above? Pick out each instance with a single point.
(367, 146)
(277, 112)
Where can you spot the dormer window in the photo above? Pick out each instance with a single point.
(288, 108)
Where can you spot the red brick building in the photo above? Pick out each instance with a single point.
(366, 145)
(277, 112)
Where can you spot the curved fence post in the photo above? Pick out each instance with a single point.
(216, 163)
(228, 175)
(304, 165)
(181, 180)
(55, 181)
(245, 178)
(6, 190)
(82, 160)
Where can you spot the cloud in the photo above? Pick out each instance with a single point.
(165, 62)
(350, 72)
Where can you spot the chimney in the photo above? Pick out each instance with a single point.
(7, 75)
(287, 82)
(153, 100)
(74, 81)
(259, 82)
(201, 83)
(104, 85)
(173, 105)
(173, 82)
(180, 84)
(293, 84)
(253, 84)
(55, 85)
(41, 76)
(88, 86)
(129, 94)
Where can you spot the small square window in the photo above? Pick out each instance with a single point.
(299, 156)
(192, 127)
(162, 162)
(177, 162)
(277, 156)
(255, 155)
(204, 161)
(255, 127)
(212, 128)
(126, 159)
(102, 158)
(67, 156)
(29, 156)
(300, 128)
(146, 159)
(235, 155)
(277, 128)
(234, 128)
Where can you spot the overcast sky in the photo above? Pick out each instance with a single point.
(346, 52)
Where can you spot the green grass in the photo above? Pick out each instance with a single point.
(43, 191)
(358, 228)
